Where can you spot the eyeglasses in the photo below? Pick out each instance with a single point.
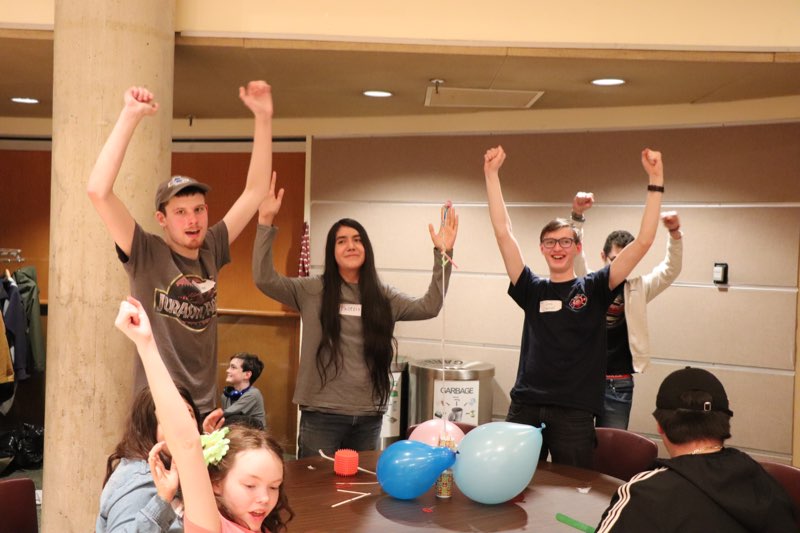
(564, 242)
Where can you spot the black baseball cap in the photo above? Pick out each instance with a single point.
(174, 185)
(692, 379)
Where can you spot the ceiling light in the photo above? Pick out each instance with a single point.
(24, 100)
(378, 94)
(608, 82)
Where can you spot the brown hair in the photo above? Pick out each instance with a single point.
(558, 223)
(244, 438)
(140, 430)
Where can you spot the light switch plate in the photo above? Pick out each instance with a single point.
(720, 275)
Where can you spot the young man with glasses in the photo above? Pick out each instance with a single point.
(560, 379)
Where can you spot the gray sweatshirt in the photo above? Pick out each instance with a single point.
(350, 392)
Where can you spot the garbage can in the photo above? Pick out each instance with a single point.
(395, 420)
(460, 391)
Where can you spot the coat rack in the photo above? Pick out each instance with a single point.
(11, 255)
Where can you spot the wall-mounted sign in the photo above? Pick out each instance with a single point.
(456, 401)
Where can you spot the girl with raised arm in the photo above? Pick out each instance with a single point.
(232, 483)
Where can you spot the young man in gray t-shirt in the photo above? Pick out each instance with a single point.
(175, 275)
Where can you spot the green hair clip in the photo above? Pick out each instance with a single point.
(215, 446)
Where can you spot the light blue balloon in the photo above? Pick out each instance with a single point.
(408, 468)
(496, 461)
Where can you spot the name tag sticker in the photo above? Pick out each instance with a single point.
(550, 306)
(350, 309)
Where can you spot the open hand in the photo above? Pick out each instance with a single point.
(445, 238)
(214, 421)
(271, 204)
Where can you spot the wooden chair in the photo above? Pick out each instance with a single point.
(466, 428)
(622, 454)
(18, 506)
(788, 477)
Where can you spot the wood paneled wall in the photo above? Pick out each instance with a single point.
(737, 190)
(260, 325)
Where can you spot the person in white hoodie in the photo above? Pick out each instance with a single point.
(628, 339)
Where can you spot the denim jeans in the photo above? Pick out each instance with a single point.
(330, 432)
(568, 434)
(617, 404)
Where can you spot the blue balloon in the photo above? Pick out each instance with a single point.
(408, 468)
(496, 461)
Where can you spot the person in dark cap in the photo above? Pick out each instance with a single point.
(704, 486)
(175, 275)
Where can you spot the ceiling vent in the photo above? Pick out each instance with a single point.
(480, 98)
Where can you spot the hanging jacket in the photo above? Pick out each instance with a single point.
(29, 292)
(16, 327)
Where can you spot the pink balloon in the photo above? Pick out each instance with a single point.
(430, 431)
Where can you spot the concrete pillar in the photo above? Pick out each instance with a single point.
(101, 47)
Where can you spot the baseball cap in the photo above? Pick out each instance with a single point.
(174, 185)
(688, 380)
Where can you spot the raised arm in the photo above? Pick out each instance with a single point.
(427, 306)
(582, 202)
(501, 223)
(278, 287)
(258, 97)
(668, 270)
(119, 221)
(180, 430)
(630, 256)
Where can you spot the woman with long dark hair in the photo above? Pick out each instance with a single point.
(130, 501)
(348, 315)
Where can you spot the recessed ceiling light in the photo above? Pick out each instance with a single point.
(24, 100)
(607, 82)
(378, 94)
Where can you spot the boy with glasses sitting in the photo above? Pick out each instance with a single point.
(561, 375)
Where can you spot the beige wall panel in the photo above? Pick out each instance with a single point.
(399, 233)
(730, 164)
(736, 236)
(400, 237)
(734, 327)
(477, 310)
(712, 234)
(505, 361)
(754, 425)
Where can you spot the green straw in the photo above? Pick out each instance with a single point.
(574, 523)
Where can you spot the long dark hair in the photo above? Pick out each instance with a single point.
(243, 438)
(376, 316)
(140, 430)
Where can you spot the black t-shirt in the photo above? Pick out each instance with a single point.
(620, 360)
(563, 353)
